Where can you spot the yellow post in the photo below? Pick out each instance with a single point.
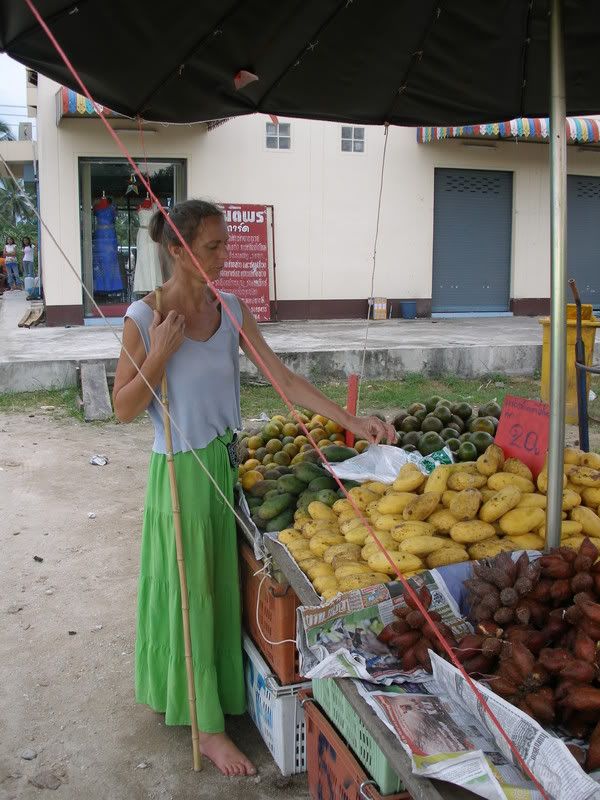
(589, 323)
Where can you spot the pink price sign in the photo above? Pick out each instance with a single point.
(246, 274)
(523, 431)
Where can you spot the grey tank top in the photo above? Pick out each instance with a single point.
(203, 381)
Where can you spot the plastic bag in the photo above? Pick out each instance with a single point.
(383, 463)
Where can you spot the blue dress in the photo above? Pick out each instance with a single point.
(105, 260)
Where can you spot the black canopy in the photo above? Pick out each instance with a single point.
(406, 62)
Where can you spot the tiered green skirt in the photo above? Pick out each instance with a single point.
(209, 539)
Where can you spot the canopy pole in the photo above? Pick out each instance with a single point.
(558, 284)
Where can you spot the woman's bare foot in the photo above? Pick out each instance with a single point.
(219, 748)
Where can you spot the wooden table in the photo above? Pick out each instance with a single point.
(419, 788)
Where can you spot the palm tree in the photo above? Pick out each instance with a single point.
(13, 205)
(6, 134)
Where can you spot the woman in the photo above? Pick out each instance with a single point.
(12, 264)
(198, 345)
(28, 256)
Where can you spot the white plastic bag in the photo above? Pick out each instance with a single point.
(383, 463)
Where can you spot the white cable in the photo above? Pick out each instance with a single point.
(129, 356)
(364, 355)
(260, 585)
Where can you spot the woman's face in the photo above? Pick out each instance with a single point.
(210, 248)
(10, 240)
(26, 242)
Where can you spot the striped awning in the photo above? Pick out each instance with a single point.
(582, 130)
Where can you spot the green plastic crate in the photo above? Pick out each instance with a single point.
(346, 720)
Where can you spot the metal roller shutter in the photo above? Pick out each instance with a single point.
(583, 236)
(472, 240)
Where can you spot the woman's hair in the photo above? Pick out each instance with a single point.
(187, 217)
(26, 241)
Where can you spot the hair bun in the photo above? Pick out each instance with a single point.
(156, 227)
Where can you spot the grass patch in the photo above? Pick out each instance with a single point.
(389, 396)
(65, 402)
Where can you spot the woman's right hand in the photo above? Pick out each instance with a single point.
(167, 336)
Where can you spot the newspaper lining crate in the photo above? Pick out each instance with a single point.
(277, 616)
(333, 772)
(276, 712)
(327, 693)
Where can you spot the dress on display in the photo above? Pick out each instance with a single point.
(105, 259)
(148, 274)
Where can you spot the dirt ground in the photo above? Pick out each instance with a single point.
(67, 605)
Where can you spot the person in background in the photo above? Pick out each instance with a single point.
(2, 274)
(12, 264)
(28, 257)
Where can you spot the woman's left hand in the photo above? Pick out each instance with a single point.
(373, 430)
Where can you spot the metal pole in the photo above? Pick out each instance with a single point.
(558, 285)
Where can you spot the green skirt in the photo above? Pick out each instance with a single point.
(210, 548)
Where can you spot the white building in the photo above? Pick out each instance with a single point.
(464, 226)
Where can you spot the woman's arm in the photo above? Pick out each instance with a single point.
(131, 394)
(300, 392)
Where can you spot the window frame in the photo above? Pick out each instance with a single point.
(269, 134)
(353, 139)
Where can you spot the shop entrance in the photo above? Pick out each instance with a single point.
(112, 204)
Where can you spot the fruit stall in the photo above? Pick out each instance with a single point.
(532, 622)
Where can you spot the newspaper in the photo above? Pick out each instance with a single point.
(545, 754)
(339, 638)
(446, 743)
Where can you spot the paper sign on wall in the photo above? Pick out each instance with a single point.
(246, 273)
(523, 431)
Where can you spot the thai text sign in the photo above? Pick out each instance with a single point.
(246, 274)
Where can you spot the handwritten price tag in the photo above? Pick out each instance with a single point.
(523, 431)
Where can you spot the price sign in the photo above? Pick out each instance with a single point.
(523, 431)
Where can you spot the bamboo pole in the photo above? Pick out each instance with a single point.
(185, 607)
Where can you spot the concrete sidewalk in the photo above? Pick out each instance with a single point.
(42, 358)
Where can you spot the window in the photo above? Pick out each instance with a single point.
(278, 136)
(353, 139)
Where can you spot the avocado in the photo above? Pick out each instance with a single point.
(414, 407)
(483, 424)
(432, 402)
(429, 443)
(443, 413)
(448, 433)
(467, 452)
(410, 423)
(399, 418)
(453, 445)
(482, 441)
(432, 423)
(409, 448)
(464, 411)
(420, 415)
(412, 437)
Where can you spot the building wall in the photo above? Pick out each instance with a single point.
(325, 204)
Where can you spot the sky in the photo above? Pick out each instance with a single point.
(12, 93)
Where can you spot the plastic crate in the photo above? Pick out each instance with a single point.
(276, 712)
(277, 606)
(327, 693)
(333, 772)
